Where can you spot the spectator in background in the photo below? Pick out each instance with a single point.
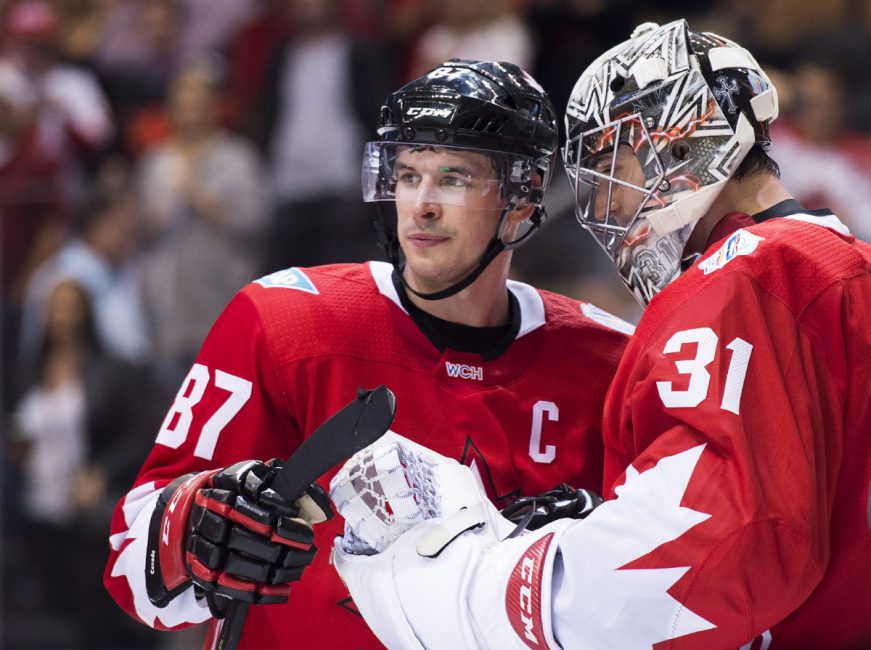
(137, 56)
(772, 30)
(321, 86)
(55, 122)
(72, 109)
(482, 30)
(204, 211)
(31, 208)
(102, 259)
(256, 42)
(570, 34)
(146, 43)
(827, 162)
(81, 432)
(139, 33)
(32, 211)
(210, 25)
(80, 27)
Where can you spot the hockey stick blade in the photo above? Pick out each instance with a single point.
(358, 424)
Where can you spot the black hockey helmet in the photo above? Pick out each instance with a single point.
(487, 107)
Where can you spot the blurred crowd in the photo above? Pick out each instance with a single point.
(157, 155)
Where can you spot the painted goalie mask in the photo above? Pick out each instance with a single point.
(655, 128)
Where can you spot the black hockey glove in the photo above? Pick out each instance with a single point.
(562, 502)
(231, 535)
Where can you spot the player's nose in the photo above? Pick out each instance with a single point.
(605, 205)
(425, 204)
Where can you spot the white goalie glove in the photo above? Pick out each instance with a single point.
(427, 558)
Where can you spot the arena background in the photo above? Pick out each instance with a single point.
(155, 155)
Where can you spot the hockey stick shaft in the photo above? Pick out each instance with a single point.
(358, 424)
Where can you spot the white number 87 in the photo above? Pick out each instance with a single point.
(700, 379)
(180, 417)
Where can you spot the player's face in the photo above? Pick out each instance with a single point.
(448, 206)
(614, 201)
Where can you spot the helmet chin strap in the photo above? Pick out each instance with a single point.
(390, 241)
(495, 247)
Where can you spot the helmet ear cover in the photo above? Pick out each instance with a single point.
(737, 82)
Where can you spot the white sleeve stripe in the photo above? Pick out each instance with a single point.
(531, 306)
(382, 273)
(607, 319)
(130, 565)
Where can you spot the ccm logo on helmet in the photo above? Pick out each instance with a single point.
(427, 111)
(523, 594)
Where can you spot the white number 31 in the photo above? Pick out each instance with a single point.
(699, 378)
(180, 417)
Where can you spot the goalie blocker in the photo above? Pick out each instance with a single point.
(232, 536)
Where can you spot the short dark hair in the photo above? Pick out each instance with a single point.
(756, 161)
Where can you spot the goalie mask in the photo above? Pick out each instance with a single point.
(656, 126)
(490, 114)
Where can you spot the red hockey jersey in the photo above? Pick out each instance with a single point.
(293, 347)
(741, 410)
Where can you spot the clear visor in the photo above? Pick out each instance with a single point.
(440, 174)
(617, 175)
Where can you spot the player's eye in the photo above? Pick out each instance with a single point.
(602, 164)
(455, 181)
(408, 179)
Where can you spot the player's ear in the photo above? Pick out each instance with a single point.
(525, 211)
(518, 215)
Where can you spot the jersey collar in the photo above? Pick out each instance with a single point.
(827, 220)
(789, 209)
(528, 298)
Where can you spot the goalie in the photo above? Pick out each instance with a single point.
(737, 447)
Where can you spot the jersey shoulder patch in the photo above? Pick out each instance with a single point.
(292, 278)
(740, 242)
(607, 319)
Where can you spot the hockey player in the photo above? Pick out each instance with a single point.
(737, 447)
(507, 379)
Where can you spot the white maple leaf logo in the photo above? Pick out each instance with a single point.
(632, 607)
(130, 564)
